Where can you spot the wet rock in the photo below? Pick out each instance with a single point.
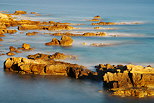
(104, 23)
(128, 80)
(54, 56)
(12, 49)
(66, 41)
(11, 31)
(29, 27)
(54, 41)
(41, 67)
(97, 17)
(10, 54)
(31, 33)
(2, 54)
(95, 34)
(25, 46)
(20, 12)
(2, 35)
(1, 39)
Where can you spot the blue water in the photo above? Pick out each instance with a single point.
(136, 47)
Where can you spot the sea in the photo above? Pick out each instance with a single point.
(134, 45)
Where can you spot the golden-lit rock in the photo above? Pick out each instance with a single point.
(1, 39)
(18, 12)
(66, 41)
(31, 33)
(25, 46)
(10, 53)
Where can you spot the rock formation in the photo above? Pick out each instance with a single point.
(31, 33)
(128, 80)
(54, 56)
(65, 41)
(42, 67)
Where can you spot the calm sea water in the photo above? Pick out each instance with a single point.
(136, 47)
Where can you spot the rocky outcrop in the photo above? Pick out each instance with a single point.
(84, 34)
(104, 23)
(13, 50)
(41, 67)
(31, 33)
(116, 23)
(96, 18)
(55, 56)
(65, 41)
(18, 12)
(40, 27)
(128, 80)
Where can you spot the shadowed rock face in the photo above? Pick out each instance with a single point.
(128, 80)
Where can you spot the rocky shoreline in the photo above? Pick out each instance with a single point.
(120, 80)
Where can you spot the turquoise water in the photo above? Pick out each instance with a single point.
(136, 47)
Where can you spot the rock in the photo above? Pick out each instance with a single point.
(54, 41)
(12, 49)
(104, 23)
(66, 41)
(1, 39)
(1, 35)
(41, 67)
(29, 27)
(25, 46)
(128, 80)
(97, 17)
(95, 34)
(2, 54)
(11, 31)
(20, 12)
(54, 56)
(10, 53)
(31, 34)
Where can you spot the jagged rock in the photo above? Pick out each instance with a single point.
(128, 80)
(41, 67)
